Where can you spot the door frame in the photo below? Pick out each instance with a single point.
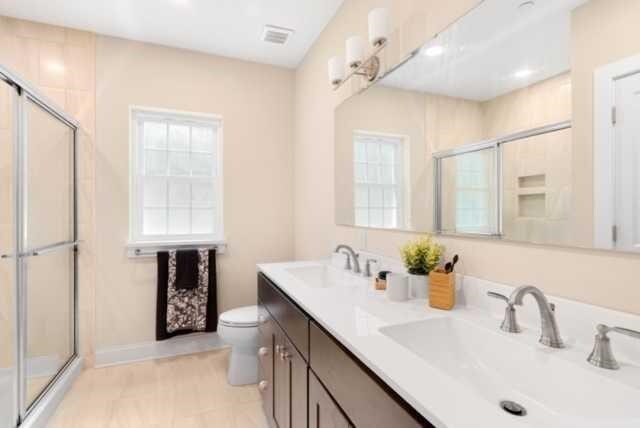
(604, 103)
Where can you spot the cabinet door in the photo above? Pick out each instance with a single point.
(323, 411)
(266, 330)
(289, 383)
(281, 386)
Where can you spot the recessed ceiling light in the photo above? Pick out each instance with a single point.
(432, 51)
(524, 73)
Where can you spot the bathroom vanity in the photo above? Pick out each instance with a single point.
(334, 352)
(306, 374)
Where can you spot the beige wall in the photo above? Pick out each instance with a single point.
(582, 275)
(61, 64)
(255, 102)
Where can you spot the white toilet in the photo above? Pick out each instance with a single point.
(239, 328)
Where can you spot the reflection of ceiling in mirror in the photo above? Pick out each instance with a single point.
(500, 46)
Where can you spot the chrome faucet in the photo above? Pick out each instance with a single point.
(550, 335)
(350, 254)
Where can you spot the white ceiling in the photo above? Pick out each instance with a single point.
(230, 28)
(484, 51)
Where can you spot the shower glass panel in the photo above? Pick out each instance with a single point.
(8, 365)
(48, 244)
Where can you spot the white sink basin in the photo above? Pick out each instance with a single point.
(555, 392)
(325, 276)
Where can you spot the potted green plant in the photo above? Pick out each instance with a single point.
(420, 257)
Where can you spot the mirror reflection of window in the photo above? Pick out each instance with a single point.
(473, 193)
(468, 193)
(378, 179)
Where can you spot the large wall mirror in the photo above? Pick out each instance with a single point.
(520, 121)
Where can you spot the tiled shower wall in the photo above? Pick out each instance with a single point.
(60, 63)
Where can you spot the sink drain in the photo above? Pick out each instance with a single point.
(513, 408)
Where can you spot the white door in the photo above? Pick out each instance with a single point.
(627, 163)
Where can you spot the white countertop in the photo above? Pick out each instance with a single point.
(353, 315)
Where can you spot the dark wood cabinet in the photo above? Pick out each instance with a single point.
(289, 384)
(323, 411)
(308, 379)
(283, 369)
(266, 330)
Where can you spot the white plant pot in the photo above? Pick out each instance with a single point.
(419, 286)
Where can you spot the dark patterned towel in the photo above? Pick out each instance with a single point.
(183, 311)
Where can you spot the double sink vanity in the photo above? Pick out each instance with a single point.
(336, 353)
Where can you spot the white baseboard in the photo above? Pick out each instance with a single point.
(46, 407)
(179, 345)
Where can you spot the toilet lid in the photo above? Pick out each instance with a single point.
(246, 316)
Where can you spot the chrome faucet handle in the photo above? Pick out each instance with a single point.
(602, 355)
(367, 267)
(509, 323)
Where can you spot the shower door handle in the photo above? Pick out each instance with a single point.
(49, 248)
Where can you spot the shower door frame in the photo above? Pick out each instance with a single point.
(25, 93)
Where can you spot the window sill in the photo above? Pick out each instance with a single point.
(150, 249)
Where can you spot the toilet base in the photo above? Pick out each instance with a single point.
(243, 366)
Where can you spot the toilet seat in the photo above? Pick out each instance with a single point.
(246, 316)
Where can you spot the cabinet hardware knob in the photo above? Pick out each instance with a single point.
(264, 351)
(263, 385)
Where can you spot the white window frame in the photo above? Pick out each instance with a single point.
(136, 238)
(402, 178)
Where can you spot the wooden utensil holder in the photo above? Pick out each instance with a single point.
(442, 290)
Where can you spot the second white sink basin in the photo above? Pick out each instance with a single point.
(555, 392)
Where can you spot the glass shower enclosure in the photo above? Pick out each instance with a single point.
(38, 247)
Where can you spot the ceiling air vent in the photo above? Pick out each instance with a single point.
(277, 35)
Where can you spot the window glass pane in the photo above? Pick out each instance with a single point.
(179, 193)
(373, 174)
(376, 218)
(203, 221)
(375, 197)
(202, 165)
(373, 152)
(155, 135)
(362, 217)
(390, 197)
(360, 151)
(178, 163)
(362, 196)
(360, 173)
(178, 137)
(155, 162)
(387, 174)
(154, 221)
(155, 192)
(179, 221)
(203, 139)
(387, 153)
(202, 194)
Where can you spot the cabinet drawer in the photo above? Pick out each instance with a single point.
(291, 319)
(365, 399)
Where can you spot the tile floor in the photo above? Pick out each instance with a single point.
(188, 392)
